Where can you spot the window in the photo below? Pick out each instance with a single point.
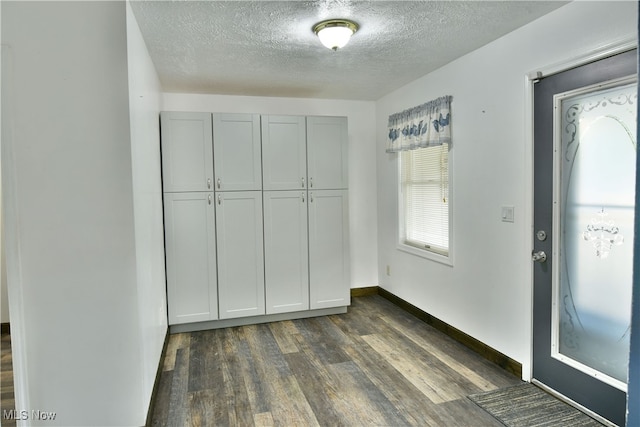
(422, 136)
(424, 199)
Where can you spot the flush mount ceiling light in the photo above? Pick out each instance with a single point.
(335, 33)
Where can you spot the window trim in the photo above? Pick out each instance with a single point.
(415, 250)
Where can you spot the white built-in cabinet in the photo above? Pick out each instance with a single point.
(305, 161)
(328, 212)
(240, 253)
(238, 170)
(328, 248)
(187, 152)
(327, 153)
(236, 152)
(191, 256)
(284, 152)
(189, 217)
(286, 251)
(256, 214)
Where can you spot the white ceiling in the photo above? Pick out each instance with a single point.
(267, 48)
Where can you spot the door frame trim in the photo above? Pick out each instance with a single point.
(583, 57)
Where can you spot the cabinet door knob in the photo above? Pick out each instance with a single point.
(208, 182)
(311, 182)
(209, 198)
(311, 197)
(303, 197)
(219, 199)
(219, 183)
(302, 182)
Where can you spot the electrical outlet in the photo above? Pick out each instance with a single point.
(388, 270)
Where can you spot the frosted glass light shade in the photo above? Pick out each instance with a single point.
(335, 37)
(335, 33)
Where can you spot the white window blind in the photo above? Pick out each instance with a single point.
(425, 198)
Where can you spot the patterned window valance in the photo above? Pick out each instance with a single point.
(426, 125)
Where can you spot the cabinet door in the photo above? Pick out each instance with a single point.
(237, 154)
(284, 153)
(327, 152)
(240, 254)
(189, 221)
(329, 277)
(286, 251)
(187, 152)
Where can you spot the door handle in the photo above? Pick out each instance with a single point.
(539, 256)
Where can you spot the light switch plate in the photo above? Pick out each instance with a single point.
(507, 214)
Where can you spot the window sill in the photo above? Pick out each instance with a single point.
(432, 256)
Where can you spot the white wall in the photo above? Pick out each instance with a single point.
(4, 296)
(145, 104)
(362, 159)
(70, 229)
(487, 293)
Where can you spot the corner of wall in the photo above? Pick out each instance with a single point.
(144, 108)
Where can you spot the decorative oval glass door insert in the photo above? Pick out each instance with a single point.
(594, 212)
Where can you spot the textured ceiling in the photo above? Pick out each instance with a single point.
(267, 48)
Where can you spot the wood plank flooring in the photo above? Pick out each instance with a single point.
(377, 365)
(6, 380)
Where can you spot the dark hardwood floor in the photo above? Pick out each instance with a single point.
(6, 380)
(377, 365)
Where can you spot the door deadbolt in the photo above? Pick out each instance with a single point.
(541, 235)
